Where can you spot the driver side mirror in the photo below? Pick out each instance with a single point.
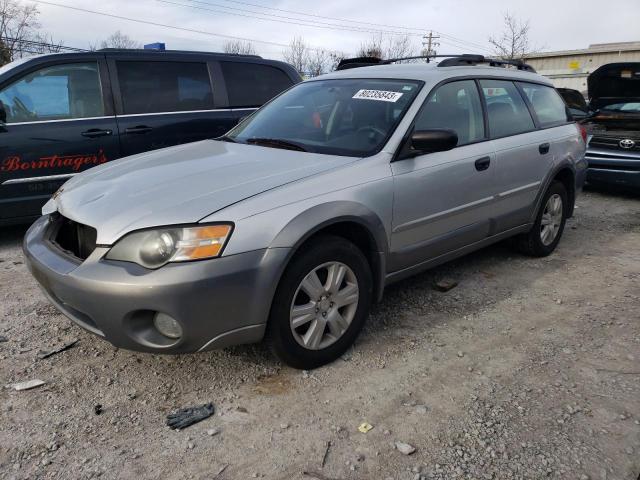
(431, 141)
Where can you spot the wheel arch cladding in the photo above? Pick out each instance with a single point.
(349, 220)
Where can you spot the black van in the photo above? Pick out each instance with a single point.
(61, 114)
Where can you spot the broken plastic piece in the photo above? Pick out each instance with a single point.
(365, 427)
(28, 385)
(188, 416)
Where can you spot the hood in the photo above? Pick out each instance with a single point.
(613, 83)
(180, 185)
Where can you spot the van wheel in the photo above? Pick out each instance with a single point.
(321, 303)
(547, 230)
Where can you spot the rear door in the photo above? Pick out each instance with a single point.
(250, 85)
(524, 154)
(59, 122)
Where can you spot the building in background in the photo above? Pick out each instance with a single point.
(570, 68)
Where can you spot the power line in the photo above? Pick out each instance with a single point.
(416, 29)
(284, 19)
(163, 25)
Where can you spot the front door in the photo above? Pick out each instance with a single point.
(59, 121)
(442, 201)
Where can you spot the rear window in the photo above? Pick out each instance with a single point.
(507, 111)
(156, 87)
(547, 103)
(253, 84)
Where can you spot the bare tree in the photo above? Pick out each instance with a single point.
(371, 48)
(44, 43)
(387, 47)
(297, 54)
(335, 58)
(239, 47)
(513, 43)
(5, 55)
(18, 26)
(318, 62)
(119, 40)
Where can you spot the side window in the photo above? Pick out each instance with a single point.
(59, 92)
(507, 111)
(157, 87)
(253, 84)
(455, 106)
(547, 103)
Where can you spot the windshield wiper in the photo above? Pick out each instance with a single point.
(277, 143)
(225, 138)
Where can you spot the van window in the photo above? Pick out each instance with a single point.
(59, 92)
(455, 106)
(253, 84)
(508, 113)
(158, 87)
(547, 103)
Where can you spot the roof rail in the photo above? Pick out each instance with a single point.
(161, 52)
(449, 61)
(347, 63)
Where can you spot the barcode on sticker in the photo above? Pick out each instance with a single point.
(379, 95)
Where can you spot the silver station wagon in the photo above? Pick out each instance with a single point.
(292, 224)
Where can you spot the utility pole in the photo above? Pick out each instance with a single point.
(430, 44)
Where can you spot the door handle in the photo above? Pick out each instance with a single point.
(544, 148)
(138, 129)
(483, 163)
(96, 132)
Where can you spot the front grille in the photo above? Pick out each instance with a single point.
(613, 143)
(73, 238)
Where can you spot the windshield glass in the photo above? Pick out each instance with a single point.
(624, 107)
(351, 117)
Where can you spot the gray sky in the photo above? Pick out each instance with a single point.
(555, 24)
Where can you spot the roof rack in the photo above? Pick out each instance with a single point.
(160, 52)
(450, 61)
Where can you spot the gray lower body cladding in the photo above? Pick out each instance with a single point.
(218, 303)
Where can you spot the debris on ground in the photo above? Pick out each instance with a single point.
(326, 454)
(42, 355)
(3, 339)
(188, 416)
(97, 409)
(28, 385)
(222, 469)
(445, 284)
(212, 432)
(405, 448)
(316, 475)
(365, 427)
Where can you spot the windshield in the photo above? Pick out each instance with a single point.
(351, 117)
(633, 107)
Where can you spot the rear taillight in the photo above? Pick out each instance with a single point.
(583, 131)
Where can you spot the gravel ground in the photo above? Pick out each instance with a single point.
(528, 369)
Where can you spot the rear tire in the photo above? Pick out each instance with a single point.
(313, 319)
(547, 230)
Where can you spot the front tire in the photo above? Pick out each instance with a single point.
(544, 236)
(321, 303)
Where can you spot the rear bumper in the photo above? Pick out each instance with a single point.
(613, 167)
(219, 302)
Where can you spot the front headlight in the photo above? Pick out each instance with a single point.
(155, 248)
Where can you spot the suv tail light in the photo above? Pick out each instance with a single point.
(583, 131)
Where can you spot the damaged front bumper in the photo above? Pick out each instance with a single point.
(218, 303)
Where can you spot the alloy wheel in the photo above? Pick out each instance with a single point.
(324, 305)
(551, 219)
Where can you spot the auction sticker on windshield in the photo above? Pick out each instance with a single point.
(379, 95)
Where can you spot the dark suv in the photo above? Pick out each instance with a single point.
(64, 113)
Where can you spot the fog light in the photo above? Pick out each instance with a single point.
(167, 326)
